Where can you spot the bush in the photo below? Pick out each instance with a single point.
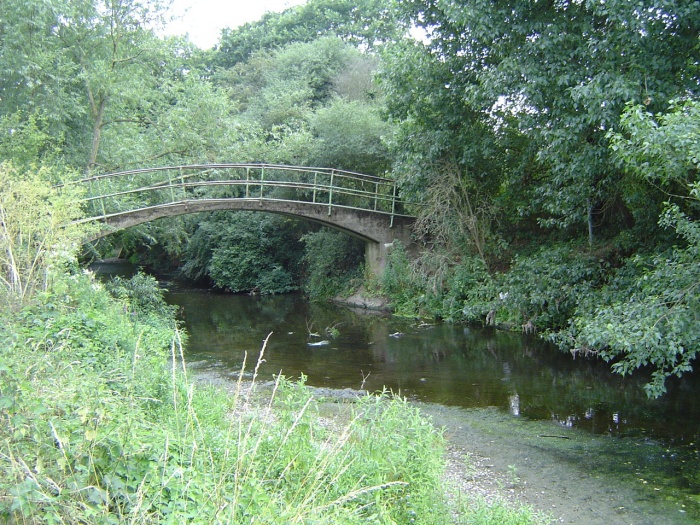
(646, 316)
(333, 261)
(401, 284)
(542, 291)
(37, 239)
(245, 251)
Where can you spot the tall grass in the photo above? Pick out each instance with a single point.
(100, 423)
(94, 428)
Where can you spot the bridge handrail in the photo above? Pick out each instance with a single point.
(242, 182)
(204, 167)
(381, 196)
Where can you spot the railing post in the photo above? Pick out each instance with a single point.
(330, 194)
(376, 194)
(262, 182)
(170, 184)
(102, 199)
(393, 206)
(315, 186)
(247, 182)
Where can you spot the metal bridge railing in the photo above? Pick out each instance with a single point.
(127, 191)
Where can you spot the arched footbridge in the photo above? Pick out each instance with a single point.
(364, 206)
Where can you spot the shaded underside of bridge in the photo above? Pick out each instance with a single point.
(378, 231)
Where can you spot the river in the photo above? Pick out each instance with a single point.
(581, 443)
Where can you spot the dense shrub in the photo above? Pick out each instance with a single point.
(333, 261)
(402, 285)
(648, 315)
(544, 288)
(245, 251)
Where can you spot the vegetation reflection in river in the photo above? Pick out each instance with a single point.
(451, 365)
(464, 367)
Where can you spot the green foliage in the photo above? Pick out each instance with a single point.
(179, 121)
(143, 295)
(437, 126)
(539, 292)
(664, 148)
(556, 75)
(82, 65)
(281, 88)
(26, 140)
(435, 286)
(402, 285)
(350, 135)
(647, 315)
(37, 240)
(333, 261)
(455, 214)
(544, 288)
(245, 251)
(365, 23)
(469, 292)
(82, 384)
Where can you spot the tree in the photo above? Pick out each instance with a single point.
(332, 260)
(649, 313)
(112, 49)
(559, 73)
(364, 23)
(447, 156)
(85, 66)
(38, 75)
(281, 88)
(351, 135)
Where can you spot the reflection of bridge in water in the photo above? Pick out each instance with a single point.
(364, 206)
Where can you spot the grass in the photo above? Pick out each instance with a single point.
(100, 423)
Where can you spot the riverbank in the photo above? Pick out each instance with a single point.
(100, 423)
(562, 474)
(475, 494)
(575, 477)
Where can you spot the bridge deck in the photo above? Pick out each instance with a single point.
(118, 193)
(362, 205)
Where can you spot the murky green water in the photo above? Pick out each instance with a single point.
(450, 365)
(654, 445)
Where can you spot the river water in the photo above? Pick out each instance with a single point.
(516, 389)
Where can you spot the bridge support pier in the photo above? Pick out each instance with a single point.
(375, 258)
(377, 253)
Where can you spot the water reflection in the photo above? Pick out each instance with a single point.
(451, 365)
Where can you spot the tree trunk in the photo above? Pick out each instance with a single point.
(98, 113)
(590, 224)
